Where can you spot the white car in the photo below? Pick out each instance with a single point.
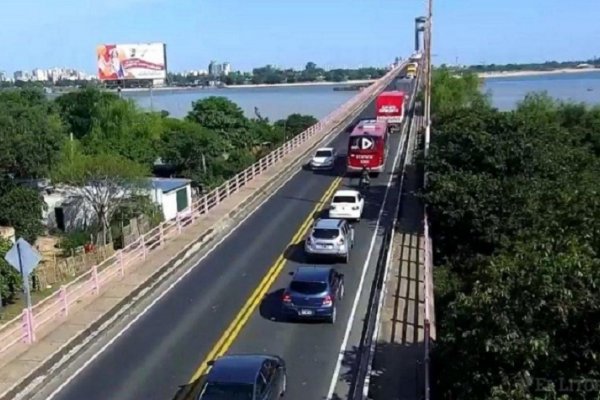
(324, 158)
(347, 204)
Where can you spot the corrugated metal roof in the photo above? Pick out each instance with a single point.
(168, 184)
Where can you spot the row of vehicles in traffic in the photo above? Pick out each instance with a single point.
(315, 291)
(368, 140)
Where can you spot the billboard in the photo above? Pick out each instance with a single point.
(131, 61)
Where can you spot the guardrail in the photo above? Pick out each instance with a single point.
(24, 327)
(429, 297)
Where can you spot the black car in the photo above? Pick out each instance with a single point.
(245, 377)
(314, 292)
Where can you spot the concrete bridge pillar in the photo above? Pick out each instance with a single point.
(419, 29)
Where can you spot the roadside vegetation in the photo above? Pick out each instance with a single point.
(104, 145)
(514, 203)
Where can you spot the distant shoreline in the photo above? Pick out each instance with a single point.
(515, 74)
(250, 86)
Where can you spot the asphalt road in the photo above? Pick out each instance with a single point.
(165, 347)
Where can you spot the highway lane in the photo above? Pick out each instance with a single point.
(164, 347)
(311, 349)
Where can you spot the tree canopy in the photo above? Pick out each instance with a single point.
(270, 74)
(515, 220)
(103, 180)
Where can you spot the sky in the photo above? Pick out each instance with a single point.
(289, 33)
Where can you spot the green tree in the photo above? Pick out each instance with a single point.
(31, 134)
(10, 279)
(296, 123)
(102, 180)
(192, 150)
(80, 108)
(451, 91)
(515, 217)
(119, 127)
(21, 208)
(221, 115)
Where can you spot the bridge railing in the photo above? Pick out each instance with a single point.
(429, 325)
(58, 305)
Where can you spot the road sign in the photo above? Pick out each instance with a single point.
(24, 258)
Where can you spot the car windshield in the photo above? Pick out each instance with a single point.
(308, 287)
(227, 391)
(325, 233)
(323, 153)
(344, 199)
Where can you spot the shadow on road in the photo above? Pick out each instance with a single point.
(270, 306)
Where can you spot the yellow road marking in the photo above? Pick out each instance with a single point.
(254, 300)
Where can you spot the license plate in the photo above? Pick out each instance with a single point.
(325, 246)
(306, 312)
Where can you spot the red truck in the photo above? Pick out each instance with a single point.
(390, 108)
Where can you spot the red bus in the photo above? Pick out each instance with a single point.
(368, 146)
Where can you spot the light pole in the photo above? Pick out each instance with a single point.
(428, 76)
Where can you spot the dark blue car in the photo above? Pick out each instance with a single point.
(314, 293)
(245, 377)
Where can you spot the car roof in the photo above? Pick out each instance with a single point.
(345, 193)
(328, 223)
(324, 149)
(312, 274)
(236, 368)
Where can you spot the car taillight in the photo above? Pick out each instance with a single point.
(327, 301)
(287, 298)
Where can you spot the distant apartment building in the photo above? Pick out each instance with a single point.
(217, 69)
(21, 76)
(3, 76)
(39, 75)
(226, 68)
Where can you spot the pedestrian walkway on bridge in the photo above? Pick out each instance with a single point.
(397, 372)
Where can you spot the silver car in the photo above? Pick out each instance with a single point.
(330, 238)
(324, 158)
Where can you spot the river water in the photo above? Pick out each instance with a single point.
(320, 100)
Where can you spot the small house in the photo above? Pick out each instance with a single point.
(174, 195)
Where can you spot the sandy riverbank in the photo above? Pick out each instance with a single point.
(515, 74)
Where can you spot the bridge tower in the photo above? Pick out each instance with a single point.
(419, 29)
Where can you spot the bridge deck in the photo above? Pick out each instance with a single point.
(398, 362)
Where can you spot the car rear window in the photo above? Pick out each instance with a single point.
(308, 287)
(325, 233)
(344, 199)
(227, 391)
(323, 153)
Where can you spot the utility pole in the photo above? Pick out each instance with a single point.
(428, 75)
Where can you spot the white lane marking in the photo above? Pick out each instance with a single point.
(357, 297)
(329, 138)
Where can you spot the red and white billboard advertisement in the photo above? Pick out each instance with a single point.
(131, 61)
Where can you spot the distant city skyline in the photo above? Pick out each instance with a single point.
(336, 33)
